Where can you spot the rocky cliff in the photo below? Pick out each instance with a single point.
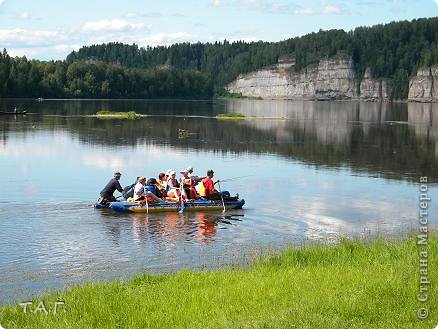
(372, 89)
(424, 86)
(331, 79)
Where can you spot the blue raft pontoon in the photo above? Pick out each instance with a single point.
(197, 205)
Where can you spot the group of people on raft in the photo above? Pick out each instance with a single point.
(166, 188)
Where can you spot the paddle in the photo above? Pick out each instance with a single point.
(181, 210)
(222, 197)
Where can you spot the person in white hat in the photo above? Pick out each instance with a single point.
(172, 185)
(188, 191)
(172, 182)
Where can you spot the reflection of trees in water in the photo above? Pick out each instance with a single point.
(5, 130)
(75, 107)
(365, 136)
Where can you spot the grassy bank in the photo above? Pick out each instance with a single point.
(230, 116)
(351, 285)
(104, 114)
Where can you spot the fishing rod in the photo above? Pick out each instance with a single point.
(234, 178)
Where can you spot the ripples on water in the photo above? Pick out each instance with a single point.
(325, 170)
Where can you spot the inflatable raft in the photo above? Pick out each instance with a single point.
(197, 205)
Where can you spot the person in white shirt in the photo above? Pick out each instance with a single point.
(139, 189)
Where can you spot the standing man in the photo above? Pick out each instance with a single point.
(113, 185)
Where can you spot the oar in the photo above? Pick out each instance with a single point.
(147, 206)
(181, 210)
(222, 197)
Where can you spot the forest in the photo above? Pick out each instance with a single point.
(393, 51)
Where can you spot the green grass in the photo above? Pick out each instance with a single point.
(351, 285)
(105, 114)
(230, 116)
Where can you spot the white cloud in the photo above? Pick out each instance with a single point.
(265, 6)
(58, 51)
(17, 36)
(258, 4)
(277, 8)
(436, 1)
(302, 11)
(218, 3)
(114, 25)
(103, 161)
(28, 52)
(1, 1)
(24, 15)
(329, 9)
(166, 38)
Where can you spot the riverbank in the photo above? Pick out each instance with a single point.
(351, 285)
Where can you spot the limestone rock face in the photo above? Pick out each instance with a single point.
(424, 86)
(373, 90)
(331, 79)
(335, 79)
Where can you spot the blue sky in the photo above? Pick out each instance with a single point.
(47, 29)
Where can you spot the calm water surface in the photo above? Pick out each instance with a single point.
(310, 171)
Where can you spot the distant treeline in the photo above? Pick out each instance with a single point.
(20, 77)
(393, 51)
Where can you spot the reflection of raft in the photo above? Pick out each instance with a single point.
(198, 205)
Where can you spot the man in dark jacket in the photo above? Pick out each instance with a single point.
(111, 187)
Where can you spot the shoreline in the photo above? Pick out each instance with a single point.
(222, 98)
(364, 283)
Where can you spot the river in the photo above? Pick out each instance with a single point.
(307, 170)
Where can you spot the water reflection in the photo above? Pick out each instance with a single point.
(393, 140)
(168, 227)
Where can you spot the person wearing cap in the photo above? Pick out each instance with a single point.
(207, 189)
(195, 178)
(107, 194)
